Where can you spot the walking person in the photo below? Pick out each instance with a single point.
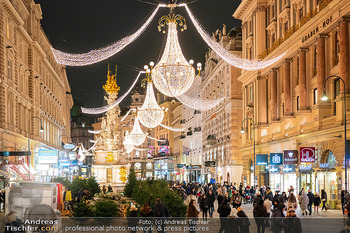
(204, 205)
(343, 200)
(2, 200)
(190, 198)
(243, 221)
(260, 213)
(292, 222)
(220, 197)
(268, 205)
(311, 197)
(324, 199)
(276, 219)
(132, 219)
(317, 202)
(224, 211)
(211, 200)
(303, 202)
(292, 202)
(192, 214)
(146, 214)
(233, 222)
(160, 210)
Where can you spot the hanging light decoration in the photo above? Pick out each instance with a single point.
(127, 143)
(173, 75)
(150, 114)
(137, 137)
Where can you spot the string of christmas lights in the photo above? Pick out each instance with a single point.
(94, 131)
(155, 139)
(140, 149)
(197, 103)
(127, 114)
(104, 109)
(172, 129)
(94, 56)
(230, 58)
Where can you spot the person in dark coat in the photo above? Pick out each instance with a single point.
(311, 201)
(260, 213)
(346, 229)
(146, 214)
(317, 202)
(277, 216)
(132, 219)
(2, 200)
(220, 197)
(269, 194)
(211, 200)
(204, 205)
(243, 221)
(343, 200)
(257, 198)
(292, 222)
(324, 199)
(80, 195)
(224, 211)
(233, 222)
(237, 202)
(160, 210)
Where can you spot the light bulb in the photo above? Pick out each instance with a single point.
(191, 62)
(151, 63)
(146, 67)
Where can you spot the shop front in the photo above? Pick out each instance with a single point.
(327, 179)
(275, 171)
(307, 176)
(290, 177)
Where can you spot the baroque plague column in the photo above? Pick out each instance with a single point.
(110, 165)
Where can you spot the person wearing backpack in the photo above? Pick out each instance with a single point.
(160, 211)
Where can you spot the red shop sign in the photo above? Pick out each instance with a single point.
(307, 154)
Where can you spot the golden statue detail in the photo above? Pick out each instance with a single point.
(122, 174)
(111, 86)
(110, 157)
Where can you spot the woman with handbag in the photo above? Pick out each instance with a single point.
(324, 199)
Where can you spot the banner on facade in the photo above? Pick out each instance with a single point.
(276, 158)
(307, 154)
(47, 156)
(290, 157)
(262, 159)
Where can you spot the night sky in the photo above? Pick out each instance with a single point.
(83, 25)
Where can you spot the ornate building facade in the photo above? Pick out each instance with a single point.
(221, 125)
(284, 100)
(33, 90)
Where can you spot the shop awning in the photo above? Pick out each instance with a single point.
(18, 172)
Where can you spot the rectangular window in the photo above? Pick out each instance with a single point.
(315, 61)
(298, 103)
(283, 109)
(228, 91)
(315, 96)
(251, 93)
(336, 48)
(336, 87)
(273, 10)
(297, 72)
(9, 68)
(8, 29)
(227, 69)
(286, 26)
(301, 12)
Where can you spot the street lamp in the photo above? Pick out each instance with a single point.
(243, 131)
(41, 131)
(325, 98)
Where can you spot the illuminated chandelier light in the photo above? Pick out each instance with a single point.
(94, 56)
(199, 104)
(150, 114)
(106, 108)
(137, 137)
(129, 147)
(230, 58)
(173, 75)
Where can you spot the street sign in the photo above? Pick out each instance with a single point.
(15, 153)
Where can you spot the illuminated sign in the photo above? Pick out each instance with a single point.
(276, 158)
(290, 156)
(307, 154)
(262, 159)
(47, 156)
(288, 169)
(305, 167)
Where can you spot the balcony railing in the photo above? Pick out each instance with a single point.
(295, 28)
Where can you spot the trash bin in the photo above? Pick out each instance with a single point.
(332, 204)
